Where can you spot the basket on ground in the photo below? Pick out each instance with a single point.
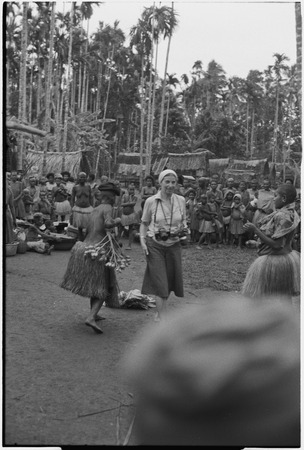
(21, 247)
(11, 249)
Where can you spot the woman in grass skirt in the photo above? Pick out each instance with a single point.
(277, 269)
(91, 277)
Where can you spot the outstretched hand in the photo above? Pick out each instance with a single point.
(249, 226)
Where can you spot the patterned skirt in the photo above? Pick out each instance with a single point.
(208, 227)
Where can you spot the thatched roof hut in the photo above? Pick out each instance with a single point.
(159, 163)
(195, 164)
(128, 166)
(218, 166)
(247, 170)
(34, 162)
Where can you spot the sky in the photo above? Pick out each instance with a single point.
(240, 36)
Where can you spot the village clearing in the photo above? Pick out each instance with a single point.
(62, 383)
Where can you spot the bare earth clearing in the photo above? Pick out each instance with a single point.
(62, 382)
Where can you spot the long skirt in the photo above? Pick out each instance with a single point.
(81, 216)
(19, 209)
(164, 270)
(90, 278)
(9, 232)
(273, 275)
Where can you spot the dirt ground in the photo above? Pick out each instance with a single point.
(63, 384)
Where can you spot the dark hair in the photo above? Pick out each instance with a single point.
(149, 177)
(66, 173)
(289, 191)
(92, 176)
(51, 174)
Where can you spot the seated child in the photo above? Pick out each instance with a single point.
(37, 240)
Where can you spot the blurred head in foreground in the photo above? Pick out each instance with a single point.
(223, 374)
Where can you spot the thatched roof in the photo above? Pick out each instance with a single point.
(128, 164)
(129, 158)
(185, 162)
(218, 165)
(247, 170)
(34, 162)
(259, 166)
(130, 170)
(159, 163)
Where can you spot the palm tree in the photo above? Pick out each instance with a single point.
(67, 93)
(279, 68)
(172, 23)
(299, 50)
(49, 83)
(22, 80)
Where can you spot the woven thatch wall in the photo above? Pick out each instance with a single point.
(259, 166)
(218, 166)
(34, 161)
(129, 158)
(188, 163)
(129, 170)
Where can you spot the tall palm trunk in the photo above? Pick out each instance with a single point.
(48, 88)
(162, 109)
(22, 81)
(31, 97)
(142, 123)
(299, 54)
(247, 129)
(252, 135)
(153, 103)
(66, 116)
(104, 114)
(276, 124)
(167, 115)
(148, 150)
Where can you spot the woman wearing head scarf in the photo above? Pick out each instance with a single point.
(92, 277)
(163, 224)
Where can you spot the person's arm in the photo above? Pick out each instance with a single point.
(12, 207)
(108, 219)
(273, 243)
(143, 236)
(90, 196)
(73, 196)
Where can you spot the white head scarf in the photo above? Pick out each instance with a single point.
(164, 173)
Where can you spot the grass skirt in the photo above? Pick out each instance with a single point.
(81, 216)
(273, 275)
(207, 226)
(131, 219)
(62, 208)
(90, 278)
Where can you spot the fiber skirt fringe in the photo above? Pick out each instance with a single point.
(206, 226)
(130, 219)
(273, 275)
(90, 278)
(63, 208)
(81, 216)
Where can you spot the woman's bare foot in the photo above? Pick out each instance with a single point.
(91, 323)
